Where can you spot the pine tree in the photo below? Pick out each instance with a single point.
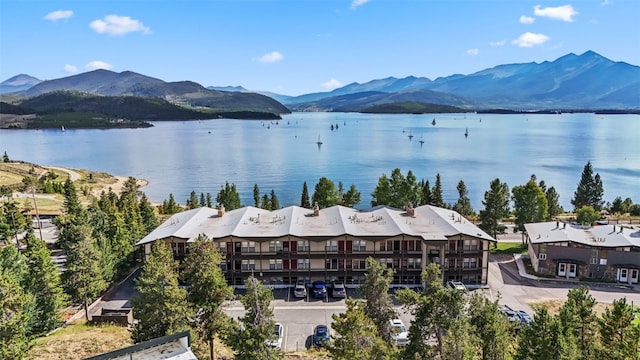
(250, 336)
(275, 204)
(382, 194)
(553, 202)
(357, 336)
(161, 308)
(228, 197)
(463, 205)
(425, 196)
(378, 305)
(83, 278)
(192, 202)
(256, 195)
(351, 197)
(148, 215)
(579, 321)
(491, 327)
(203, 200)
(436, 193)
(619, 336)
(496, 207)
(14, 318)
(589, 191)
(325, 194)
(208, 288)
(266, 202)
(541, 339)
(304, 199)
(45, 285)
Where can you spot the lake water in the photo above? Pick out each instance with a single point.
(178, 157)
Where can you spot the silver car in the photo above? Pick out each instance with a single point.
(300, 291)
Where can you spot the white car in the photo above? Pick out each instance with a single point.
(276, 341)
(399, 332)
(458, 285)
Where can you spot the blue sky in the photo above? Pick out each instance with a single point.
(303, 46)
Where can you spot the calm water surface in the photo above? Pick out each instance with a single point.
(178, 157)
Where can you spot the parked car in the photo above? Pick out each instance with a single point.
(321, 335)
(458, 285)
(276, 341)
(399, 332)
(511, 314)
(525, 318)
(300, 291)
(339, 291)
(319, 290)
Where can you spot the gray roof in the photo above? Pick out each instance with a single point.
(599, 236)
(170, 347)
(428, 222)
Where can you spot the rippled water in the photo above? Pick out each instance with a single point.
(178, 157)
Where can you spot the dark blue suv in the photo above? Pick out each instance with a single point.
(321, 335)
(319, 290)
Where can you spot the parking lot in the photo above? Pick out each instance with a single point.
(300, 316)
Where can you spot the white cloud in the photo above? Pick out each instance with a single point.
(473, 52)
(70, 69)
(498, 43)
(271, 57)
(357, 3)
(564, 13)
(527, 19)
(606, 2)
(59, 15)
(118, 25)
(530, 40)
(332, 84)
(97, 64)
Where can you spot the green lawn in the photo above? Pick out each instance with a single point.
(509, 248)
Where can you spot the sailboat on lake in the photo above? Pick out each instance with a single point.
(62, 129)
(410, 135)
(319, 142)
(466, 132)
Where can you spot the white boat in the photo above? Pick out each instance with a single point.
(410, 135)
(62, 129)
(319, 142)
(466, 132)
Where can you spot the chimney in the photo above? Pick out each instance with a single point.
(409, 209)
(220, 210)
(316, 209)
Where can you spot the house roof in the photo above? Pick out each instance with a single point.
(170, 347)
(609, 236)
(428, 222)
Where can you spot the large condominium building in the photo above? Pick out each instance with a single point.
(285, 246)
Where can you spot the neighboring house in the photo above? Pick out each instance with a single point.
(292, 244)
(170, 347)
(601, 252)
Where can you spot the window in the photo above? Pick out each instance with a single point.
(275, 246)
(275, 264)
(603, 261)
(470, 263)
(594, 261)
(359, 245)
(248, 265)
(414, 245)
(222, 247)
(387, 262)
(304, 264)
(470, 245)
(542, 256)
(332, 264)
(446, 263)
(303, 246)
(359, 264)
(332, 245)
(248, 246)
(414, 263)
(386, 245)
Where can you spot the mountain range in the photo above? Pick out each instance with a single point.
(575, 82)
